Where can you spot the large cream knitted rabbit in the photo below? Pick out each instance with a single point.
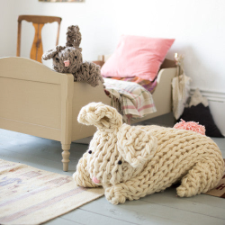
(131, 162)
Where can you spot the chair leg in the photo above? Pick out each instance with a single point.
(65, 156)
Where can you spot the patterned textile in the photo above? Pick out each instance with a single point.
(32, 196)
(129, 98)
(147, 84)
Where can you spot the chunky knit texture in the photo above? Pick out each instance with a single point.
(68, 59)
(131, 162)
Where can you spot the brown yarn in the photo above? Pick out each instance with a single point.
(73, 36)
(85, 72)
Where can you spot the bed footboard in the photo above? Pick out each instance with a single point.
(36, 100)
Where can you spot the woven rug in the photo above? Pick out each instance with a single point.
(32, 196)
(219, 190)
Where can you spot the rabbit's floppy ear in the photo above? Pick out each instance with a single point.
(136, 145)
(100, 115)
(73, 37)
(51, 53)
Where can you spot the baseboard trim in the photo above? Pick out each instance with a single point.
(212, 95)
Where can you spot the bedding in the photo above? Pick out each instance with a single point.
(147, 84)
(137, 56)
(129, 98)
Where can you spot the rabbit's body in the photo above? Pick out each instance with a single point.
(133, 161)
(88, 72)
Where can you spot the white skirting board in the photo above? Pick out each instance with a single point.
(217, 106)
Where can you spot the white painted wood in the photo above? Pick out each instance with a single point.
(28, 128)
(210, 91)
(90, 218)
(83, 94)
(60, 221)
(38, 101)
(170, 199)
(136, 212)
(66, 118)
(27, 104)
(150, 211)
(212, 95)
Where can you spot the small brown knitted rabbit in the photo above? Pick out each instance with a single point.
(68, 59)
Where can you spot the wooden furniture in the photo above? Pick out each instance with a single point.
(38, 101)
(38, 23)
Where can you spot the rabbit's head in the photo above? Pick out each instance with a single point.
(67, 59)
(117, 152)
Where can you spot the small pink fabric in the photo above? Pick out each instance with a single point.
(67, 63)
(95, 180)
(137, 56)
(193, 126)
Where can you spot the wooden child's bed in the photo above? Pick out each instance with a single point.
(38, 101)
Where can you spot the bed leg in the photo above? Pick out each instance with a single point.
(66, 156)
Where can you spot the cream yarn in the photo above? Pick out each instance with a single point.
(131, 162)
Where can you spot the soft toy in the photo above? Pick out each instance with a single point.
(131, 162)
(68, 59)
(191, 125)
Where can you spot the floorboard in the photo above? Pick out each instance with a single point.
(60, 221)
(144, 212)
(93, 218)
(169, 198)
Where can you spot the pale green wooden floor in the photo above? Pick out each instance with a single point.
(161, 208)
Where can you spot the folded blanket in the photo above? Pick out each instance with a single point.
(129, 98)
(147, 84)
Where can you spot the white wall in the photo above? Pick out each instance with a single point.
(197, 25)
(8, 31)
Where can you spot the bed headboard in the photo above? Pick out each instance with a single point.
(167, 63)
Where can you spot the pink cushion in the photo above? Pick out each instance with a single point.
(137, 56)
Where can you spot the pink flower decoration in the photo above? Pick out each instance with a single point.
(193, 126)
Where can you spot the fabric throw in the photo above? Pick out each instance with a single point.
(32, 196)
(147, 84)
(130, 99)
(219, 190)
